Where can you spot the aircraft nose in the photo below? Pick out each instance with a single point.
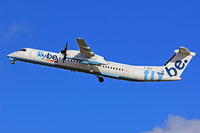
(11, 55)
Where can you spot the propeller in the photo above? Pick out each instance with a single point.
(64, 52)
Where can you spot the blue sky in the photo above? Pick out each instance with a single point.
(44, 99)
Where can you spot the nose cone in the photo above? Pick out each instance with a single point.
(11, 55)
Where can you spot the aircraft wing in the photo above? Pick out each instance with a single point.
(84, 49)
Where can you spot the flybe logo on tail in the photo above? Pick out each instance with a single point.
(178, 65)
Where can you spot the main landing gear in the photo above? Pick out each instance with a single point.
(100, 79)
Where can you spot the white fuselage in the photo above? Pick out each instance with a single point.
(74, 62)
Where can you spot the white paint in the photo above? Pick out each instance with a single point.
(110, 69)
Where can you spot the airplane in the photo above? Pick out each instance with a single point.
(87, 61)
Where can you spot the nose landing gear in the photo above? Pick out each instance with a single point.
(12, 62)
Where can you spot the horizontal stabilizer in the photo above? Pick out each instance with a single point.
(184, 50)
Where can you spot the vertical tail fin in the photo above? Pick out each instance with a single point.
(177, 64)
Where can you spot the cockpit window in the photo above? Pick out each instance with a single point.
(23, 50)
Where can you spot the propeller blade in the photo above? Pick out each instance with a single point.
(64, 58)
(64, 52)
(66, 45)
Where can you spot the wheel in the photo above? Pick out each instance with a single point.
(101, 79)
(12, 62)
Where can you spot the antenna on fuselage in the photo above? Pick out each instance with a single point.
(64, 52)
